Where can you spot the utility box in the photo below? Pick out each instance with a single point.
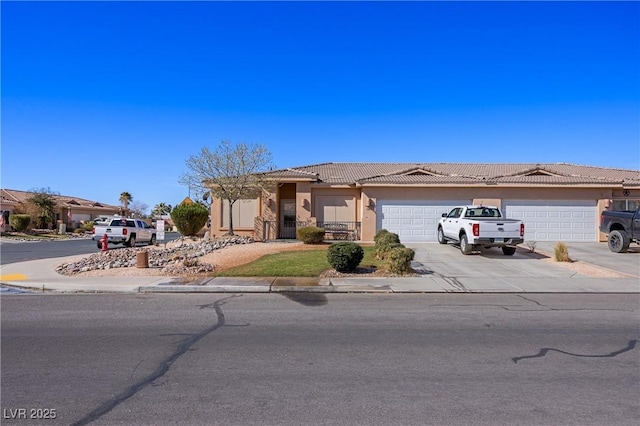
(142, 259)
(62, 229)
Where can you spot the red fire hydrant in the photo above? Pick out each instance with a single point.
(105, 242)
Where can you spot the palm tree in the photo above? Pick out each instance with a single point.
(125, 199)
(161, 209)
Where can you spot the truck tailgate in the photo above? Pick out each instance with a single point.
(506, 228)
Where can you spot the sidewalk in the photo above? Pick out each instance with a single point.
(40, 276)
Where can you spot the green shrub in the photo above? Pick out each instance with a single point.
(386, 242)
(562, 252)
(400, 260)
(19, 222)
(379, 235)
(310, 235)
(386, 237)
(382, 252)
(86, 227)
(189, 218)
(345, 256)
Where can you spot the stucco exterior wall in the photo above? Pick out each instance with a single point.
(305, 194)
(304, 208)
(218, 229)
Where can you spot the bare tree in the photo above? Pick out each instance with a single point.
(231, 173)
(138, 209)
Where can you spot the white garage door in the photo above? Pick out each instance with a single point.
(546, 220)
(413, 220)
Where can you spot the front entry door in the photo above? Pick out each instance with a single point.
(288, 219)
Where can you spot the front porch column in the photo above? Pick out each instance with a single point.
(304, 209)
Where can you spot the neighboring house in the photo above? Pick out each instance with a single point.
(557, 202)
(72, 211)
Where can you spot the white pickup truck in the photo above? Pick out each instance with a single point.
(125, 231)
(480, 226)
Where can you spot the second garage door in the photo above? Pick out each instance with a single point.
(551, 220)
(413, 220)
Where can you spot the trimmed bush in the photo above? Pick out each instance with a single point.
(310, 235)
(189, 218)
(562, 252)
(400, 260)
(87, 226)
(386, 242)
(382, 252)
(19, 222)
(345, 256)
(379, 235)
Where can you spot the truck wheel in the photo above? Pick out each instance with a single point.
(441, 238)
(508, 251)
(465, 247)
(619, 241)
(132, 241)
(153, 240)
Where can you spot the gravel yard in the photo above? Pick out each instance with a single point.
(221, 259)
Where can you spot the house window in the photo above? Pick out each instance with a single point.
(625, 205)
(335, 209)
(244, 213)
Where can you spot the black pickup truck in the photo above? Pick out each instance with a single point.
(622, 227)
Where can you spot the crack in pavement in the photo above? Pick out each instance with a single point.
(560, 309)
(631, 345)
(423, 270)
(531, 300)
(162, 368)
(453, 282)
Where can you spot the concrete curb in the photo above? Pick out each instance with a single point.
(453, 276)
(202, 289)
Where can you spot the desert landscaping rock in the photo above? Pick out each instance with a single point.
(187, 258)
(181, 258)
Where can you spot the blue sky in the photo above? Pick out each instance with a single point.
(104, 97)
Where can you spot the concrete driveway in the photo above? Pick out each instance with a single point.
(447, 261)
(599, 254)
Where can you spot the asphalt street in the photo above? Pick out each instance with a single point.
(12, 251)
(293, 359)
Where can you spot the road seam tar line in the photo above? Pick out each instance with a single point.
(160, 371)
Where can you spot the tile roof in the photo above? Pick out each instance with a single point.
(460, 173)
(12, 197)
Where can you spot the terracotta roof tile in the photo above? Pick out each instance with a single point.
(531, 173)
(419, 180)
(62, 200)
(553, 180)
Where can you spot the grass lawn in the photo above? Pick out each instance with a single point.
(307, 263)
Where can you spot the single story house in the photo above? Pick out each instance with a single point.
(72, 211)
(557, 202)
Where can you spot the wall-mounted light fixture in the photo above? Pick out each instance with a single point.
(372, 204)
